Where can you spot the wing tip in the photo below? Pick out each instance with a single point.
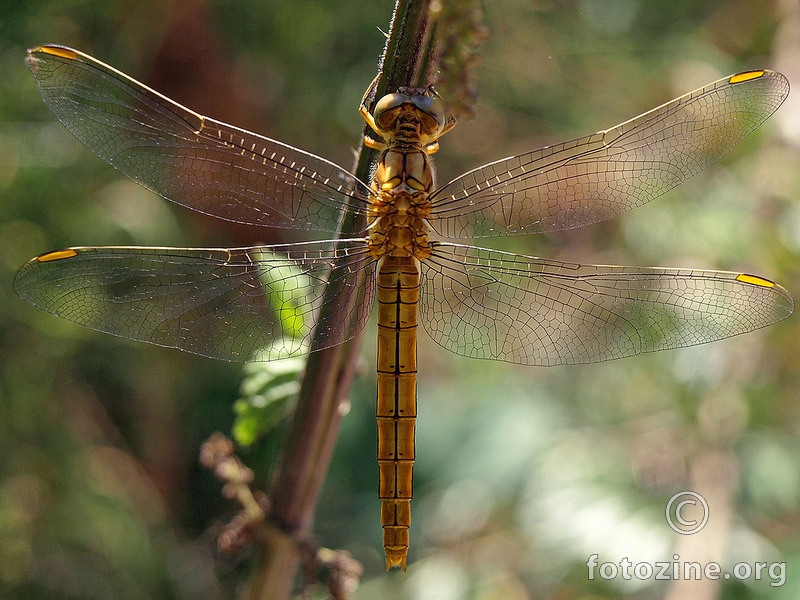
(777, 80)
(36, 55)
(783, 302)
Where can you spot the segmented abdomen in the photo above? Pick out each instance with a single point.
(398, 293)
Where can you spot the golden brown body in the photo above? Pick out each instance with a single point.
(398, 293)
(410, 124)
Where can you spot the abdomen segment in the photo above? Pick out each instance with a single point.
(398, 293)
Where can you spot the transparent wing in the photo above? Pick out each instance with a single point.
(237, 304)
(487, 304)
(185, 157)
(602, 175)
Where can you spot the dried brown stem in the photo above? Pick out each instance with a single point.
(217, 454)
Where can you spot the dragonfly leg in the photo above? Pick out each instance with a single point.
(432, 147)
(367, 115)
(375, 144)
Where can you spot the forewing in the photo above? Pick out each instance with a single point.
(487, 304)
(190, 159)
(605, 174)
(239, 304)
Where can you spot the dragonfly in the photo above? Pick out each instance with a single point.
(270, 302)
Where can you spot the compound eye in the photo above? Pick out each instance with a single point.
(431, 114)
(433, 108)
(388, 103)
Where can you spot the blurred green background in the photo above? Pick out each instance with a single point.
(522, 473)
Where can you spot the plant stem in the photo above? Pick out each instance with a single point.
(312, 432)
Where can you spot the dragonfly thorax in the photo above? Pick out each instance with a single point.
(404, 171)
(403, 180)
(410, 123)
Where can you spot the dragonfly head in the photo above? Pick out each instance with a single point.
(421, 108)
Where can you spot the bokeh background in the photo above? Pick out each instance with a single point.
(522, 473)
